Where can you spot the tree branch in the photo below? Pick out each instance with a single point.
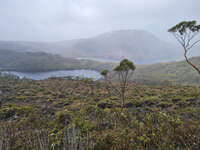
(189, 62)
(177, 38)
(193, 45)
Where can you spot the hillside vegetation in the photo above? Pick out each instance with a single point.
(62, 113)
(41, 62)
(162, 73)
(175, 72)
(138, 45)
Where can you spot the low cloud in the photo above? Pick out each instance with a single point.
(45, 20)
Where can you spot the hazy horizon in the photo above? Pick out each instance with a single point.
(42, 20)
(88, 37)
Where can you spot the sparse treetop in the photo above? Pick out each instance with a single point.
(125, 65)
(185, 33)
(104, 72)
(183, 26)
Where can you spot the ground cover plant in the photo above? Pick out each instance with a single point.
(65, 113)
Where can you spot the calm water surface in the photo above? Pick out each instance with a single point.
(64, 73)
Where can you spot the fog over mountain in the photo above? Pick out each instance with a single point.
(45, 20)
(140, 46)
(133, 29)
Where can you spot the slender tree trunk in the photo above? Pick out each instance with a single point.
(123, 98)
(189, 62)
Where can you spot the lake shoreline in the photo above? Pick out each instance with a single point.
(83, 73)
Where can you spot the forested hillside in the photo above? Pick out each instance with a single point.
(41, 62)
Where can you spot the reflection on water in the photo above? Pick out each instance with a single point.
(64, 73)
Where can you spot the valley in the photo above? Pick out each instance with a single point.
(140, 46)
(99, 75)
(54, 96)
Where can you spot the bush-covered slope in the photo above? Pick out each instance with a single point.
(61, 113)
(40, 61)
(179, 72)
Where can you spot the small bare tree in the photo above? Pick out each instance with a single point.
(104, 73)
(124, 71)
(185, 33)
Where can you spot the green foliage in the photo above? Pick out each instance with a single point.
(125, 65)
(168, 73)
(41, 62)
(185, 33)
(63, 118)
(9, 111)
(183, 26)
(124, 71)
(104, 72)
(61, 112)
(105, 142)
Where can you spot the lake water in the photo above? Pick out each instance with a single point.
(64, 73)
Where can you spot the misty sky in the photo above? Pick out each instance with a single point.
(54, 20)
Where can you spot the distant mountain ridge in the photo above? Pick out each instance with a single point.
(138, 45)
(175, 72)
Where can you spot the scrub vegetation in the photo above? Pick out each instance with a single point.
(155, 108)
(81, 114)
